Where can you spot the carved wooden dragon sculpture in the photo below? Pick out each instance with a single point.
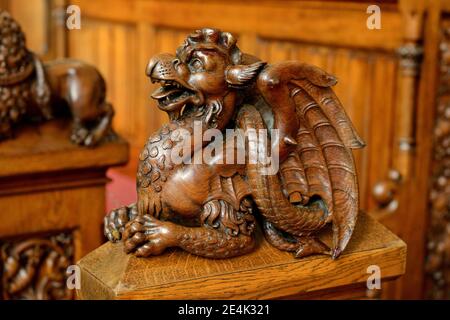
(209, 209)
(32, 90)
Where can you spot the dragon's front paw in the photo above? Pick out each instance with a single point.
(115, 221)
(147, 236)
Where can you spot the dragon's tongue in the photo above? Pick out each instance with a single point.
(163, 92)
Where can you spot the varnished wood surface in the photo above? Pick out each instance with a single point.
(223, 15)
(108, 273)
(47, 148)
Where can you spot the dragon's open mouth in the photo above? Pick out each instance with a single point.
(172, 95)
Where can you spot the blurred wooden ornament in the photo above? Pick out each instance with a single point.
(32, 90)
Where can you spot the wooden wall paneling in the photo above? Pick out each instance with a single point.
(248, 42)
(124, 66)
(4, 4)
(118, 11)
(33, 18)
(367, 92)
(58, 31)
(359, 97)
(273, 50)
(303, 17)
(82, 43)
(240, 17)
(381, 120)
(112, 47)
(320, 56)
(340, 66)
(146, 117)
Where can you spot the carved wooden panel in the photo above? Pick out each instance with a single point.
(35, 268)
(438, 258)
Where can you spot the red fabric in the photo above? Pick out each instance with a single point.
(121, 191)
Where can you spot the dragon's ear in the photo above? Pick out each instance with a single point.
(242, 75)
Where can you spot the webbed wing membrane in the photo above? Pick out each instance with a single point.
(325, 138)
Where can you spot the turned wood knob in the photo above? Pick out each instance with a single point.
(384, 191)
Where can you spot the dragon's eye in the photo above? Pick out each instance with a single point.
(196, 64)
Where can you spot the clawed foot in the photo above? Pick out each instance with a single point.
(115, 221)
(84, 137)
(147, 236)
(80, 135)
(310, 245)
(89, 137)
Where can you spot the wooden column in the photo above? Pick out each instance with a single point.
(410, 58)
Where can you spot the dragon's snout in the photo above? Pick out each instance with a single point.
(174, 92)
(160, 67)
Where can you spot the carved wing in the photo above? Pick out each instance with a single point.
(321, 164)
